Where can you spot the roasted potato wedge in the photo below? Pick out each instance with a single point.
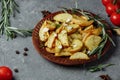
(92, 42)
(76, 36)
(50, 50)
(71, 28)
(51, 39)
(63, 37)
(43, 32)
(63, 17)
(89, 28)
(50, 25)
(97, 31)
(82, 22)
(58, 30)
(79, 55)
(85, 36)
(58, 46)
(76, 45)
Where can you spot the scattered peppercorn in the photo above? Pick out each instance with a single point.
(17, 52)
(25, 54)
(16, 70)
(26, 49)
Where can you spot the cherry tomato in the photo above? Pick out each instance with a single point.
(5, 73)
(115, 18)
(110, 8)
(105, 2)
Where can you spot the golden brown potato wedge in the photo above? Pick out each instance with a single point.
(71, 28)
(82, 22)
(79, 55)
(58, 30)
(93, 30)
(63, 17)
(43, 32)
(76, 45)
(85, 36)
(91, 27)
(58, 46)
(92, 42)
(97, 31)
(76, 36)
(51, 39)
(50, 25)
(63, 37)
(50, 50)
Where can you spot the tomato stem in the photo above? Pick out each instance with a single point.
(114, 2)
(118, 11)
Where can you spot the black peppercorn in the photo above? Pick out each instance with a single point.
(17, 52)
(16, 70)
(26, 49)
(25, 54)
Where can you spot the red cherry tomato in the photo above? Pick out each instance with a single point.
(115, 18)
(5, 73)
(110, 8)
(105, 2)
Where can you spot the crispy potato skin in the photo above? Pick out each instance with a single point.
(51, 39)
(63, 37)
(92, 42)
(63, 17)
(43, 32)
(76, 45)
(79, 55)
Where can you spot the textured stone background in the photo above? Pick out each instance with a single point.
(33, 66)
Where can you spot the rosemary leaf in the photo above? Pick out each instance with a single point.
(99, 67)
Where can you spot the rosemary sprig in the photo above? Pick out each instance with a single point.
(99, 67)
(8, 9)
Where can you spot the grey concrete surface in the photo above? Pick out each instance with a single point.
(35, 67)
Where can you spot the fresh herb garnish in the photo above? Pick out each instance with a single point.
(8, 9)
(57, 25)
(99, 67)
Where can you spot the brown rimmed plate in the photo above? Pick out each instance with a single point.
(62, 60)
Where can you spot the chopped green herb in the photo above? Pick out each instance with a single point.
(58, 25)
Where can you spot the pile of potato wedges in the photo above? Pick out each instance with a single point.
(70, 35)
